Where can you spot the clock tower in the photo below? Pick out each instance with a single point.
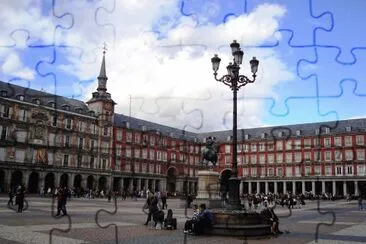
(103, 106)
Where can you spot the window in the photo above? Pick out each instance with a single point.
(119, 135)
(105, 130)
(327, 142)
(6, 111)
(317, 170)
(245, 172)
(327, 156)
(279, 158)
(239, 147)
(339, 170)
(338, 156)
(21, 98)
(279, 145)
(253, 147)
(253, 172)
(4, 93)
(67, 141)
(128, 152)
(104, 163)
(227, 159)
(137, 138)
(129, 136)
(327, 130)
(118, 151)
(348, 128)
(262, 158)
(92, 145)
(227, 148)
(361, 170)
(307, 143)
(297, 144)
(270, 146)
(52, 104)
(279, 172)
(22, 115)
(280, 133)
(316, 142)
(152, 155)
(307, 156)
(270, 158)
(253, 159)
(317, 156)
(66, 160)
(81, 140)
(54, 120)
(348, 141)
(338, 141)
(307, 170)
(349, 170)
(328, 170)
(91, 162)
(288, 157)
(298, 157)
(246, 148)
(360, 154)
(68, 123)
(4, 131)
(270, 172)
(359, 139)
(261, 147)
(349, 155)
(80, 160)
(289, 171)
(298, 133)
(288, 145)
(81, 126)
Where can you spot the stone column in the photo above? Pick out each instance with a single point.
(266, 187)
(249, 187)
(241, 186)
(313, 187)
(84, 181)
(121, 185)
(293, 187)
(25, 179)
(163, 184)
(70, 182)
(356, 187)
(130, 184)
(258, 187)
(345, 188)
(303, 187)
(275, 188)
(334, 189)
(323, 186)
(284, 187)
(41, 182)
(57, 180)
(7, 180)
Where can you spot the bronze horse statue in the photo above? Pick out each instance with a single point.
(210, 152)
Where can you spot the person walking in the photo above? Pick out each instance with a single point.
(360, 205)
(11, 196)
(19, 198)
(153, 208)
(61, 201)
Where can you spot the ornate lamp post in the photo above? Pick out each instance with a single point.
(235, 82)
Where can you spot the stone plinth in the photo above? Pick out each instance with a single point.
(208, 189)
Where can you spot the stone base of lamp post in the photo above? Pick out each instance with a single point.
(234, 195)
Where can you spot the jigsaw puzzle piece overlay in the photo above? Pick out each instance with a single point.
(299, 19)
(344, 33)
(68, 217)
(330, 73)
(102, 225)
(344, 100)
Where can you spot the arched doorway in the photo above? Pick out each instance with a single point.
(2, 181)
(224, 181)
(49, 181)
(16, 179)
(102, 181)
(90, 182)
(171, 180)
(64, 180)
(77, 181)
(33, 182)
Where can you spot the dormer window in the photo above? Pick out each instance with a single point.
(348, 128)
(66, 107)
(37, 101)
(79, 110)
(52, 104)
(143, 128)
(171, 134)
(91, 113)
(316, 131)
(263, 135)
(280, 134)
(327, 130)
(246, 137)
(298, 132)
(21, 98)
(4, 93)
(229, 138)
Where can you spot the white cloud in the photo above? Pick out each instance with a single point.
(14, 66)
(175, 85)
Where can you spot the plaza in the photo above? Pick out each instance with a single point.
(299, 226)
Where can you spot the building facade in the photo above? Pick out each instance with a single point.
(47, 141)
(318, 157)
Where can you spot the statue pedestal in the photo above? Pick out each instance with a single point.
(208, 189)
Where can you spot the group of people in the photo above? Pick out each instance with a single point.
(19, 193)
(202, 219)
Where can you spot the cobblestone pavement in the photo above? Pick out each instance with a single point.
(34, 225)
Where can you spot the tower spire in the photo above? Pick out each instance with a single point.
(102, 78)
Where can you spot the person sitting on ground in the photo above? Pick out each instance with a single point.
(204, 220)
(170, 222)
(271, 216)
(188, 226)
(158, 218)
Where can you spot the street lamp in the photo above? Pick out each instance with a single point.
(235, 82)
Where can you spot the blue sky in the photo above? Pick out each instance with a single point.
(311, 57)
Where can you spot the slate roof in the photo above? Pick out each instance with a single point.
(308, 129)
(134, 123)
(13, 91)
